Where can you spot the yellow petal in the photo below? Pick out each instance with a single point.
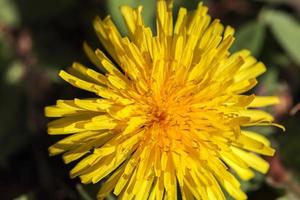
(92, 87)
(257, 116)
(257, 136)
(262, 101)
(109, 184)
(252, 160)
(249, 143)
(72, 141)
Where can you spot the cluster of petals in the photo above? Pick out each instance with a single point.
(169, 116)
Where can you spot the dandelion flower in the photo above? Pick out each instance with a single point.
(169, 116)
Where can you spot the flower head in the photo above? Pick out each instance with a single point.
(169, 114)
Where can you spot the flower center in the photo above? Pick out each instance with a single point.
(159, 115)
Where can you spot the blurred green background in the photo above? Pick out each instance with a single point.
(37, 38)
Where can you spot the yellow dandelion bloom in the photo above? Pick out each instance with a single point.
(169, 116)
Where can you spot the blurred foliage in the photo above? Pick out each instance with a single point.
(286, 30)
(37, 38)
(9, 13)
(251, 36)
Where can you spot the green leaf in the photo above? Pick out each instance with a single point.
(270, 80)
(286, 30)
(250, 36)
(281, 59)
